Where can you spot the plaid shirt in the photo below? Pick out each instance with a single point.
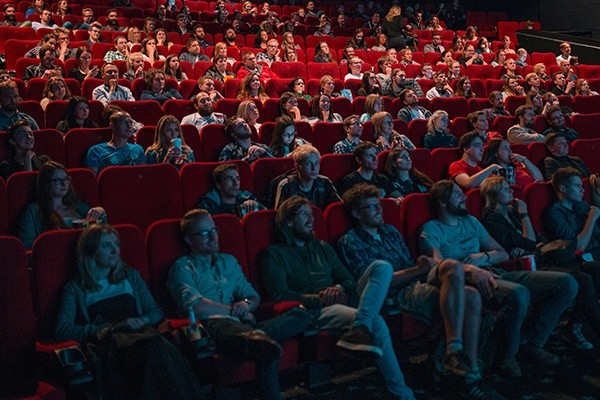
(345, 146)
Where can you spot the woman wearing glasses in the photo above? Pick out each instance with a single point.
(285, 140)
(56, 205)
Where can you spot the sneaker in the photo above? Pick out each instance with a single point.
(457, 363)
(509, 367)
(574, 335)
(541, 356)
(359, 339)
(479, 390)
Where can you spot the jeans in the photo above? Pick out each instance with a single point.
(372, 288)
(550, 293)
(280, 328)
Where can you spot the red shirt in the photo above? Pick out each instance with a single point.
(461, 167)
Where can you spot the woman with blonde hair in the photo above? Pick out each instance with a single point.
(169, 145)
(221, 49)
(134, 36)
(248, 111)
(437, 132)
(392, 26)
(511, 87)
(540, 70)
(582, 88)
(373, 105)
(252, 88)
(56, 89)
(135, 67)
(386, 137)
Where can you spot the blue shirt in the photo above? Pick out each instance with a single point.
(104, 155)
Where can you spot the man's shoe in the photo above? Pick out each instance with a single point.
(572, 334)
(457, 363)
(509, 367)
(359, 339)
(479, 390)
(257, 345)
(540, 355)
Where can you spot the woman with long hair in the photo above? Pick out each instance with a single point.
(323, 53)
(107, 300)
(463, 88)
(77, 115)
(458, 44)
(499, 58)
(392, 26)
(370, 84)
(56, 89)
(285, 140)
(434, 23)
(248, 111)
(149, 51)
(327, 86)
(161, 38)
(320, 110)
(287, 40)
(135, 67)
(380, 42)
(134, 36)
(261, 39)
(404, 177)
(517, 169)
(298, 87)
(169, 144)
(221, 49)
(437, 135)
(218, 70)
(56, 205)
(582, 88)
(511, 87)
(156, 89)
(288, 106)
(535, 100)
(373, 105)
(84, 70)
(386, 137)
(172, 68)
(252, 88)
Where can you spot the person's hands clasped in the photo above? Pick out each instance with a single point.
(333, 295)
(484, 281)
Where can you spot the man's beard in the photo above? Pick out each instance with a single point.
(457, 210)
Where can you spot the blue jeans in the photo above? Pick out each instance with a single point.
(372, 288)
(550, 293)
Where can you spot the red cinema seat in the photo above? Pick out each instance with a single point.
(588, 71)
(342, 106)
(20, 191)
(441, 160)
(479, 103)
(196, 180)
(188, 88)
(33, 109)
(17, 377)
(547, 58)
(502, 124)
(50, 142)
(200, 68)
(336, 166)
(155, 189)
(213, 138)
(415, 211)
(55, 112)
(513, 102)
(417, 129)
(326, 135)
(586, 104)
(587, 125)
(587, 150)
(229, 106)
(78, 141)
(539, 196)
(147, 112)
(460, 126)
(481, 71)
(317, 70)
(264, 170)
(454, 106)
(178, 108)
(289, 69)
(276, 87)
(4, 212)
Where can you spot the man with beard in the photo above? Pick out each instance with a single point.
(206, 84)
(497, 106)
(523, 131)
(372, 241)
(46, 68)
(9, 16)
(46, 21)
(399, 82)
(455, 234)
(212, 286)
(353, 128)
(230, 38)
(199, 34)
(193, 55)
(205, 114)
(111, 90)
(412, 109)
(302, 268)
(87, 17)
(9, 103)
(112, 21)
(441, 87)
(251, 66)
(556, 120)
(466, 172)
(242, 148)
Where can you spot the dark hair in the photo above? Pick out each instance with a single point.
(276, 144)
(287, 211)
(167, 70)
(357, 193)
(561, 175)
(521, 110)
(220, 169)
(315, 110)
(391, 168)
(466, 140)
(50, 219)
(490, 154)
(73, 101)
(440, 192)
(362, 148)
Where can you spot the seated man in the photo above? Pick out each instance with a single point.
(212, 286)
(365, 155)
(9, 104)
(111, 90)
(466, 172)
(353, 129)
(23, 158)
(558, 157)
(456, 235)
(242, 147)
(302, 268)
(121, 52)
(556, 119)
(372, 241)
(510, 66)
(399, 82)
(412, 109)
(10, 18)
(497, 106)
(523, 132)
(354, 66)
(226, 197)
(435, 45)
(46, 68)
(561, 86)
(481, 125)
(441, 87)
(193, 55)
(251, 66)
(306, 181)
(271, 54)
(118, 151)
(46, 21)
(94, 33)
(206, 84)
(205, 114)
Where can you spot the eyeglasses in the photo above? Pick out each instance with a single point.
(300, 83)
(61, 181)
(205, 234)
(355, 123)
(289, 134)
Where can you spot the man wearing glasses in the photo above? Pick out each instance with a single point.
(62, 44)
(353, 129)
(94, 34)
(355, 65)
(399, 82)
(212, 285)
(111, 90)
(271, 54)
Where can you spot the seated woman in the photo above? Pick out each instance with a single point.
(517, 169)
(261, 39)
(507, 220)
(149, 51)
(135, 67)
(221, 50)
(327, 86)
(56, 89)
(499, 58)
(582, 88)
(172, 68)
(298, 87)
(463, 88)
(218, 71)
(534, 83)
(373, 105)
(437, 132)
(370, 84)
(252, 88)
(288, 106)
(506, 45)
(540, 70)
(454, 71)
(169, 145)
(323, 53)
(161, 38)
(248, 111)
(552, 100)
(77, 115)
(108, 298)
(483, 45)
(289, 54)
(458, 44)
(56, 205)
(434, 23)
(535, 100)
(134, 36)
(155, 89)
(511, 87)
(380, 43)
(285, 140)
(21, 155)
(287, 41)
(83, 70)
(320, 110)
(386, 137)
(404, 178)
(447, 57)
